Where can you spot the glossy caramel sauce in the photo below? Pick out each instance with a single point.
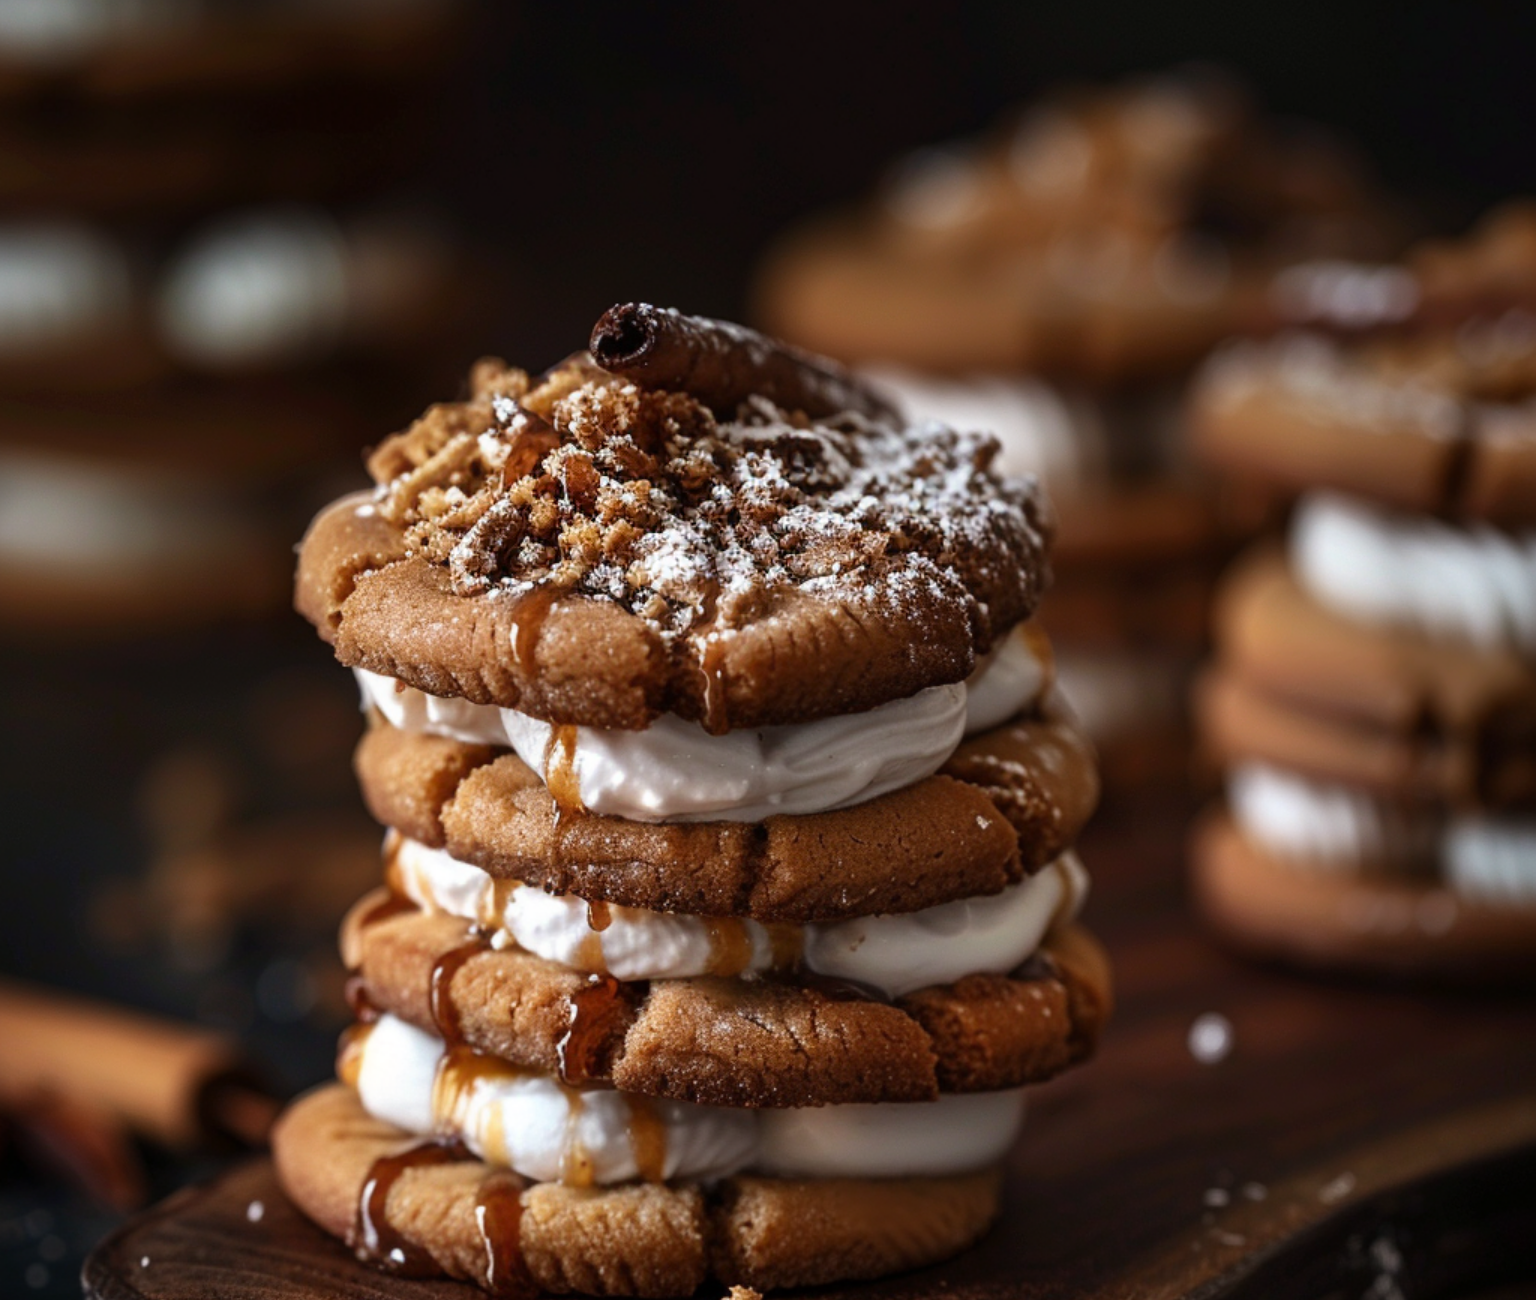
(459, 1071)
(499, 1217)
(493, 902)
(599, 914)
(730, 945)
(445, 1015)
(594, 1009)
(533, 438)
(787, 943)
(349, 1053)
(358, 1001)
(576, 1167)
(647, 1138)
(560, 769)
(374, 1238)
(528, 618)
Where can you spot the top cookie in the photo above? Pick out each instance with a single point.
(714, 525)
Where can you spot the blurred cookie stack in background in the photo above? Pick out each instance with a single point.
(206, 277)
(1374, 696)
(1056, 283)
(221, 267)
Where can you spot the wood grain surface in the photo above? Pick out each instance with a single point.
(1351, 1141)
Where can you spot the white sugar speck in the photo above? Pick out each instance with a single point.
(1337, 1189)
(1210, 1038)
(255, 1211)
(143, 1261)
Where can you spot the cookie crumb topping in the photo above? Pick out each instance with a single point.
(594, 486)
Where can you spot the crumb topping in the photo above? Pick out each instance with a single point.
(597, 487)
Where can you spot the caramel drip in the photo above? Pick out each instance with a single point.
(361, 1005)
(533, 438)
(528, 618)
(647, 1138)
(374, 1238)
(560, 769)
(589, 953)
(349, 1053)
(788, 944)
(730, 945)
(576, 1167)
(499, 1217)
(444, 1014)
(712, 683)
(599, 914)
(493, 902)
(392, 904)
(593, 1011)
(459, 1071)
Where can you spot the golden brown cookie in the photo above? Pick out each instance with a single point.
(792, 1041)
(1004, 805)
(1416, 424)
(462, 1219)
(595, 552)
(1393, 710)
(1366, 923)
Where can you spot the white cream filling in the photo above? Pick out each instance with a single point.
(263, 286)
(1471, 583)
(893, 955)
(674, 770)
(550, 1132)
(1334, 827)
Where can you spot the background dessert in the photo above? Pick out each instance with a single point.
(1374, 700)
(1056, 282)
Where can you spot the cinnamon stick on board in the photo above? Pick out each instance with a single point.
(723, 364)
(175, 1084)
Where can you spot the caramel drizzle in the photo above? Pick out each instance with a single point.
(589, 952)
(592, 1011)
(576, 1165)
(533, 438)
(499, 1217)
(349, 1052)
(529, 615)
(374, 1238)
(730, 945)
(445, 1015)
(560, 770)
(647, 1138)
(787, 943)
(460, 1070)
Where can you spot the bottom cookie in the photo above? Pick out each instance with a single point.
(1368, 924)
(427, 1210)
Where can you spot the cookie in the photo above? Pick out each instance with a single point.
(1395, 711)
(459, 1218)
(509, 557)
(725, 1041)
(1005, 804)
(1378, 924)
(1436, 425)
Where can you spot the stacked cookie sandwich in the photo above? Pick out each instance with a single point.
(730, 884)
(1056, 284)
(1374, 701)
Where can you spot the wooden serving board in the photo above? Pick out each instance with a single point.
(1353, 1141)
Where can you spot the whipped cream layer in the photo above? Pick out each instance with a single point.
(550, 1132)
(892, 955)
(1470, 583)
(674, 770)
(1315, 824)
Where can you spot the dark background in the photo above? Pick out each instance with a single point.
(624, 150)
(604, 152)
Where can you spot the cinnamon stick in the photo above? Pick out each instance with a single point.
(176, 1084)
(723, 364)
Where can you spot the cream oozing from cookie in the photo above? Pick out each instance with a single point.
(1470, 583)
(550, 1132)
(1312, 823)
(893, 955)
(676, 771)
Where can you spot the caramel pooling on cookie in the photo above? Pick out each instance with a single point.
(723, 364)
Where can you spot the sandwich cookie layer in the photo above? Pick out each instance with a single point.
(427, 1210)
(796, 1040)
(674, 770)
(1385, 925)
(548, 1131)
(1003, 805)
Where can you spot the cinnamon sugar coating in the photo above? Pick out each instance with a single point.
(760, 568)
